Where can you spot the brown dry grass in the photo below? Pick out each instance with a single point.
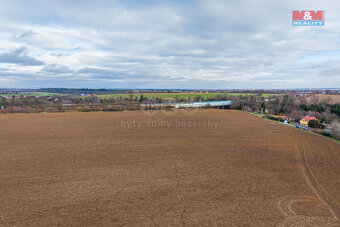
(84, 169)
(334, 99)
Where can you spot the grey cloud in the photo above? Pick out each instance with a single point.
(55, 54)
(19, 57)
(18, 76)
(126, 74)
(101, 73)
(24, 34)
(56, 68)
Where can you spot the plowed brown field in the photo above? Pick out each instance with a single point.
(174, 169)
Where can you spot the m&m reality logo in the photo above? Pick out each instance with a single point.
(308, 18)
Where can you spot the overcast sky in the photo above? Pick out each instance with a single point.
(167, 44)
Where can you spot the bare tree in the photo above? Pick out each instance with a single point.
(315, 99)
(335, 129)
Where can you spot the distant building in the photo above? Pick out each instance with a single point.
(267, 100)
(217, 104)
(304, 121)
(214, 104)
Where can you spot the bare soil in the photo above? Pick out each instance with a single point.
(174, 169)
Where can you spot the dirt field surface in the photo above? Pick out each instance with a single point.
(205, 168)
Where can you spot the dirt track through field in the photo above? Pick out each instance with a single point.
(207, 168)
(322, 198)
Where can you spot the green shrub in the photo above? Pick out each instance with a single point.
(314, 124)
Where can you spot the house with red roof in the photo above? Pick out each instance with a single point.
(304, 121)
